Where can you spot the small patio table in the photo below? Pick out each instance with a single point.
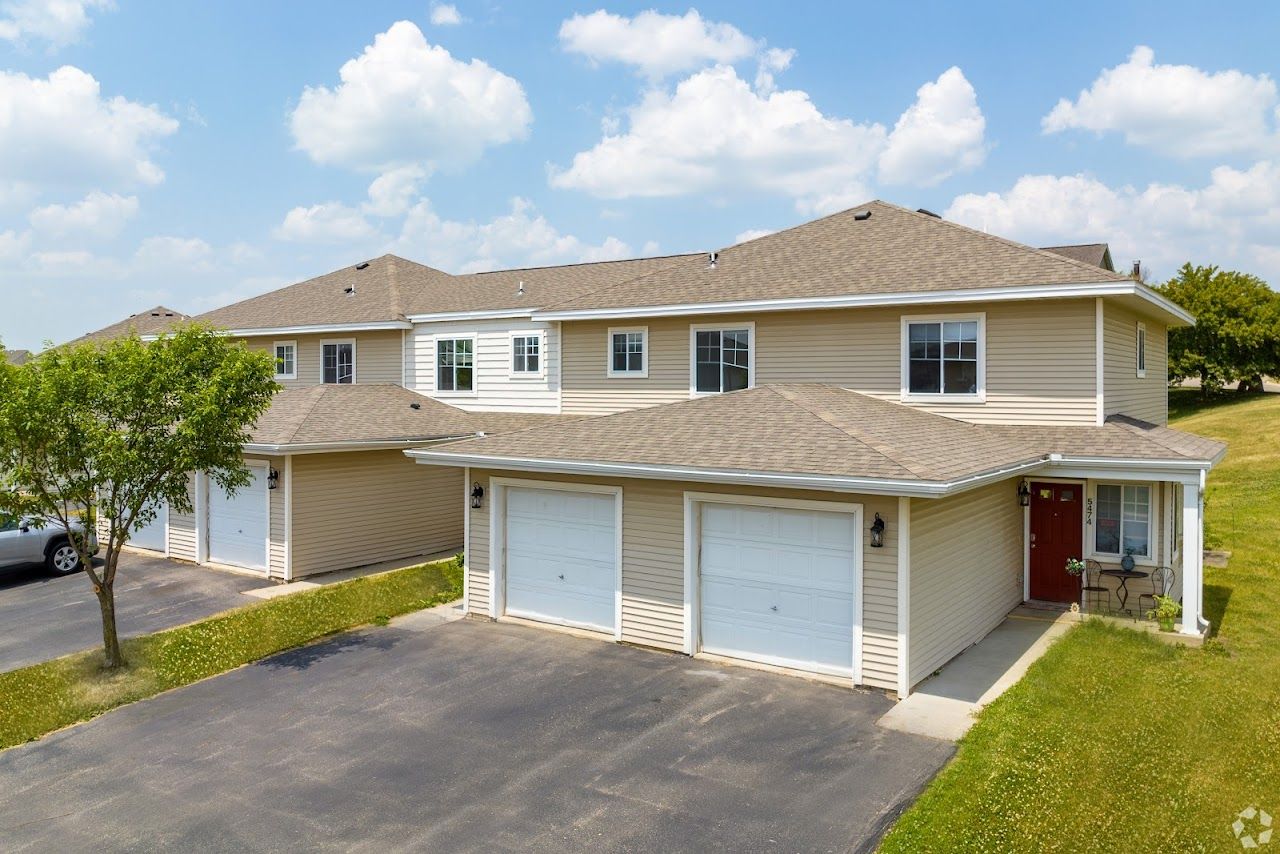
(1124, 575)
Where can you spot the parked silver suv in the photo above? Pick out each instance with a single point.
(21, 542)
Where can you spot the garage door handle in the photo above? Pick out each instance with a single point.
(773, 607)
(562, 576)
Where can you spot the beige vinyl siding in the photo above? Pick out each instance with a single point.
(277, 530)
(378, 355)
(182, 527)
(1040, 358)
(496, 388)
(1123, 391)
(653, 563)
(966, 571)
(357, 508)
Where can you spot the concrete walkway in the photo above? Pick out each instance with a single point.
(943, 706)
(273, 590)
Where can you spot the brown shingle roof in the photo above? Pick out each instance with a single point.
(895, 250)
(375, 412)
(825, 431)
(150, 322)
(17, 357)
(1097, 254)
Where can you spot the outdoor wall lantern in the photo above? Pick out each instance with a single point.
(477, 496)
(273, 479)
(1024, 494)
(877, 532)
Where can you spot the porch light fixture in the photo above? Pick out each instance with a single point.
(273, 479)
(877, 532)
(477, 496)
(1024, 494)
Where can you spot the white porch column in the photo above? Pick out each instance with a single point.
(1192, 554)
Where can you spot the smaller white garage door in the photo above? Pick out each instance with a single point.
(238, 524)
(777, 586)
(154, 535)
(562, 556)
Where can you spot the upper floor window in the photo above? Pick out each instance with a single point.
(943, 356)
(455, 364)
(1122, 520)
(722, 359)
(338, 362)
(629, 352)
(1141, 348)
(526, 354)
(286, 360)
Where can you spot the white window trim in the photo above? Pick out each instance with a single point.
(1091, 517)
(694, 329)
(497, 498)
(435, 365)
(539, 374)
(643, 373)
(906, 395)
(275, 345)
(355, 359)
(1140, 350)
(693, 503)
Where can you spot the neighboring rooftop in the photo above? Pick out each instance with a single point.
(1097, 254)
(17, 357)
(819, 431)
(150, 322)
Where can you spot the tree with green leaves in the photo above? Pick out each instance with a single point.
(1236, 338)
(104, 433)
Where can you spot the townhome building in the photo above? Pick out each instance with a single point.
(849, 448)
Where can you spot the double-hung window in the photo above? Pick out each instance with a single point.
(338, 362)
(1122, 520)
(1140, 345)
(943, 357)
(526, 355)
(629, 352)
(455, 364)
(286, 353)
(722, 359)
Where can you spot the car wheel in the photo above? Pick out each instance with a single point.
(62, 559)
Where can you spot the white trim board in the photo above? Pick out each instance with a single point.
(304, 329)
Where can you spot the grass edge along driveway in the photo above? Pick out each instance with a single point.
(41, 698)
(1116, 742)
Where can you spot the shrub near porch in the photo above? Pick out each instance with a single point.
(1116, 742)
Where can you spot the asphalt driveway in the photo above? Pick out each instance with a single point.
(472, 736)
(47, 617)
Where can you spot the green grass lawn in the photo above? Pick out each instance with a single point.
(1117, 742)
(39, 699)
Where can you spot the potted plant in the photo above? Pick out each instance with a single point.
(1165, 612)
(1075, 566)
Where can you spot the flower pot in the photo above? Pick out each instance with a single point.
(1166, 624)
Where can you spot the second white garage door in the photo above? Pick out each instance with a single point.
(238, 524)
(562, 556)
(777, 586)
(154, 536)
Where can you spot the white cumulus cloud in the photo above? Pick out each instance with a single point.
(97, 215)
(61, 132)
(1175, 109)
(392, 192)
(1231, 221)
(57, 22)
(941, 134)
(404, 102)
(654, 43)
(445, 15)
(328, 222)
(177, 254)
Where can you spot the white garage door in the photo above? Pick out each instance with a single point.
(778, 586)
(238, 524)
(154, 535)
(561, 556)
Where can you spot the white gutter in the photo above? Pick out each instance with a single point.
(330, 447)
(306, 329)
(1131, 463)
(1023, 292)
(493, 314)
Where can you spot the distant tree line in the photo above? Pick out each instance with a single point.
(1236, 339)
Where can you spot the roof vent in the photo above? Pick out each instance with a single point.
(349, 291)
(713, 258)
(862, 215)
(362, 265)
(520, 289)
(928, 212)
(415, 406)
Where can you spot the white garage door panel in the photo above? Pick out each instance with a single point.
(561, 556)
(154, 535)
(238, 524)
(778, 586)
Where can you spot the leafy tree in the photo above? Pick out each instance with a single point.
(111, 430)
(1237, 333)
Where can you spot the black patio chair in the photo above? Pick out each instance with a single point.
(1093, 588)
(1161, 585)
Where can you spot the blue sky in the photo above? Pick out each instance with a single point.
(195, 154)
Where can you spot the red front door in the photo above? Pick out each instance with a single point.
(1056, 535)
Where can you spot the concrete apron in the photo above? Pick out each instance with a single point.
(944, 705)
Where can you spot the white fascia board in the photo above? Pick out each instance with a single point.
(870, 486)
(331, 447)
(319, 328)
(1180, 466)
(1022, 292)
(496, 314)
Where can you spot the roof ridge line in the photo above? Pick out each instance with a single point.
(306, 414)
(637, 277)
